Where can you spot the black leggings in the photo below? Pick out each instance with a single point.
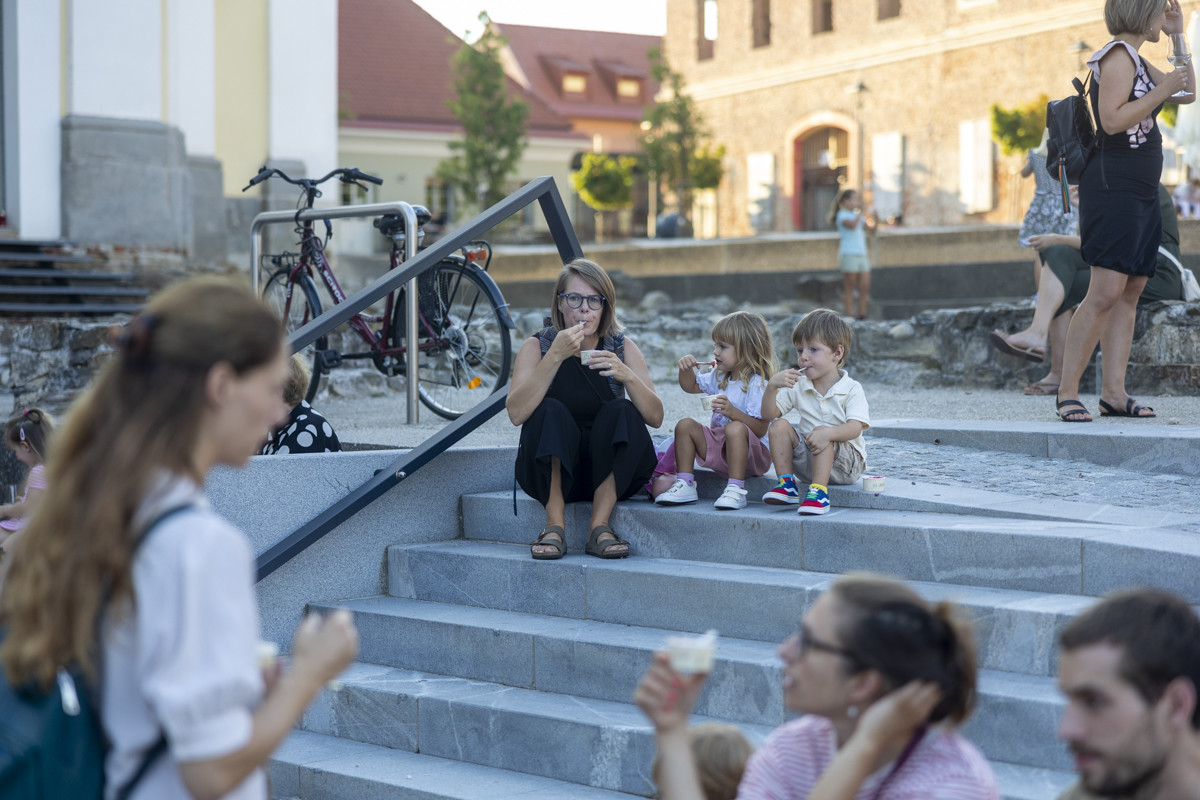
(616, 441)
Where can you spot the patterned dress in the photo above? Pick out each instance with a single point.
(1045, 214)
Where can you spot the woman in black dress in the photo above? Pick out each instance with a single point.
(1119, 220)
(583, 426)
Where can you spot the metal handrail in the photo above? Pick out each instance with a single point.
(345, 212)
(545, 192)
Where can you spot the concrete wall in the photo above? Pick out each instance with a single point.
(350, 561)
(241, 90)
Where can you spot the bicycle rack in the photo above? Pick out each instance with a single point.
(545, 192)
(346, 212)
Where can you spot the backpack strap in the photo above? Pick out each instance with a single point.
(160, 745)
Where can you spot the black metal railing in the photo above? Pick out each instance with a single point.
(545, 192)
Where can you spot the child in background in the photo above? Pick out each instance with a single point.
(27, 435)
(833, 414)
(305, 430)
(852, 225)
(734, 442)
(721, 752)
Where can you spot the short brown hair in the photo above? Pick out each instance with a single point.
(1158, 633)
(32, 427)
(298, 379)
(720, 751)
(594, 275)
(827, 327)
(1131, 16)
(888, 627)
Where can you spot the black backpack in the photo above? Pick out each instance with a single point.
(52, 745)
(1072, 137)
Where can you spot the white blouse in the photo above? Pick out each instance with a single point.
(185, 663)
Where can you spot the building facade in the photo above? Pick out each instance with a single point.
(894, 96)
(131, 122)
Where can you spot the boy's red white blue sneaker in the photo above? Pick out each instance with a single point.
(815, 502)
(784, 494)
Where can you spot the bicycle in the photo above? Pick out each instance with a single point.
(463, 322)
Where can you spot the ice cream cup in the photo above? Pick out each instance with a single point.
(691, 655)
(706, 402)
(873, 483)
(585, 356)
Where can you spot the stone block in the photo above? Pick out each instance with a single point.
(1010, 703)
(1131, 558)
(210, 234)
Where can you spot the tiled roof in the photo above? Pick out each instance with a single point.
(395, 70)
(542, 55)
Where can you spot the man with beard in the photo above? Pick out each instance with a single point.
(1130, 667)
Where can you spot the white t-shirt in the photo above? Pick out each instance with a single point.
(843, 402)
(943, 766)
(748, 401)
(186, 663)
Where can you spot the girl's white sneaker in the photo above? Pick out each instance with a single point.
(731, 499)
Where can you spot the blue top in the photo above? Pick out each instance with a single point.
(853, 240)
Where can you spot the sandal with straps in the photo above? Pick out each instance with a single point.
(559, 544)
(1132, 409)
(1075, 410)
(600, 549)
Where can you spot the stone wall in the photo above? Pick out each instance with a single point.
(48, 361)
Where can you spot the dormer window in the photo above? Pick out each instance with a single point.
(574, 84)
(629, 89)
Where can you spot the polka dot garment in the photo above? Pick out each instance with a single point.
(305, 431)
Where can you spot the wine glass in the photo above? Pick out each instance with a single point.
(1179, 57)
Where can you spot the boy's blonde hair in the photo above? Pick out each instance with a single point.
(751, 340)
(720, 751)
(827, 327)
(298, 379)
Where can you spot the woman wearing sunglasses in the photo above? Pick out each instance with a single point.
(582, 394)
(882, 678)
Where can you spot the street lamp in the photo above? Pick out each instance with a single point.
(857, 90)
(1079, 48)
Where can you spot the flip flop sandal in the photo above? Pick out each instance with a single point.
(1041, 388)
(600, 549)
(559, 544)
(1028, 353)
(1075, 412)
(1132, 409)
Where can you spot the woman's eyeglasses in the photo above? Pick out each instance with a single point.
(575, 300)
(805, 642)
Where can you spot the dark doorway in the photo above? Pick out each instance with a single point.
(820, 157)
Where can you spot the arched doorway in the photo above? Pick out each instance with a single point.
(820, 160)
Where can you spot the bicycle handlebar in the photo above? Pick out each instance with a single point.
(345, 174)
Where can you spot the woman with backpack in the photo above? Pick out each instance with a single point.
(196, 381)
(1119, 220)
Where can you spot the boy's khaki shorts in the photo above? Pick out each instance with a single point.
(848, 464)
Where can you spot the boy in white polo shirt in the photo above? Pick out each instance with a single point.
(833, 414)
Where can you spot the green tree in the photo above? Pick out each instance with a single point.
(675, 141)
(605, 182)
(494, 124)
(1019, 129)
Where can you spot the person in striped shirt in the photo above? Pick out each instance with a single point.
(882, 677)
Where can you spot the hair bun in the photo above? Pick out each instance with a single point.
(135, 339)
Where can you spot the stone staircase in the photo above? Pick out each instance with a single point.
(484, 674)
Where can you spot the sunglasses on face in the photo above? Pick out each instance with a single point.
(575, 300)
(806, 642)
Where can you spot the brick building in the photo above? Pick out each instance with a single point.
(893, 95)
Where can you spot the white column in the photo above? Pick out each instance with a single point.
(192, 74)
(115, 58)
(31, 117)
(302, 65)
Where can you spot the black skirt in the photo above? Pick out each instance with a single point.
(592, 433)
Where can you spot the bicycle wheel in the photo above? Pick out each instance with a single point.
(465, 348)
(303, 307)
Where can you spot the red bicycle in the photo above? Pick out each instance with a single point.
(464, 345)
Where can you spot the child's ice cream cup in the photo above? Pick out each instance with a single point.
(706, 402)
(873, 483)
(690, 655)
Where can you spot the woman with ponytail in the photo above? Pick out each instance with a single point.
(882, 677)
(196, 382)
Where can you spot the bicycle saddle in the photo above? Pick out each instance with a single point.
(392, 224)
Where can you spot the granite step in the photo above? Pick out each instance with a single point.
(312, 766)
(1015, 630)
(1061, 556)
(578, 660)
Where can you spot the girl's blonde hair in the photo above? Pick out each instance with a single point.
(1131, 16)
(32, 427)
(751, 340)
(838, 199)
(299, 376)
(720, 751)
(140, 418)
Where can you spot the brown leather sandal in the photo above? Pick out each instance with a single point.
(604, 549)
(559, 544)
